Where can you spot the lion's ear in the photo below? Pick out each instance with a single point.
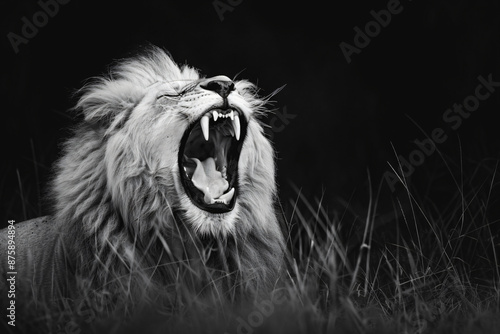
(104, 101)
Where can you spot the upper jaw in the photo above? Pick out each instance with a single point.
(216, 114)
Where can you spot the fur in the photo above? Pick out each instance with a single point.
(122, 221)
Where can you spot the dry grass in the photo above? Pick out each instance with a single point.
(422, 266)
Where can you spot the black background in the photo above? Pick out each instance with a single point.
(348, 116)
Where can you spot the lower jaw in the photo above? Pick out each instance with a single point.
(197, 197)
(214, 209)
(218, 209)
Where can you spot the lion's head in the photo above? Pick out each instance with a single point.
(162, 150)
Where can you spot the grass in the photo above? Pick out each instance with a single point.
(425, 261)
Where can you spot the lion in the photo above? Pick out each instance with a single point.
(166, 185)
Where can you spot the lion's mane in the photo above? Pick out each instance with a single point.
(123, 222)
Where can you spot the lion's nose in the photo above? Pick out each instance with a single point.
(221, 87)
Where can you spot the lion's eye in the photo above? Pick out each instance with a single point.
(170, 95)
(177, 90)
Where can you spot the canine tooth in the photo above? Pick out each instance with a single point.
(216, 115)
(236, 126)
(227, 197)
(204, 126)
(231, 114)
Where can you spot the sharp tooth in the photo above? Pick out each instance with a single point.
(216, 115)
(226, 198)
(231, 115)
(236, 126)
(204, 126)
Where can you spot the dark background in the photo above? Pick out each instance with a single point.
(348, 117)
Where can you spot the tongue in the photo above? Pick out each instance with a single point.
(208, 179)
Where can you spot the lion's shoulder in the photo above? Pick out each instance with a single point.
(36, 243)
(30, 233)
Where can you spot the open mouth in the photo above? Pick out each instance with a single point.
(208, 159)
